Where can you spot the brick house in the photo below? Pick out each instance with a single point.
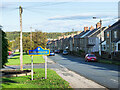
(93, 42)
(90, 40)
(112, 38)
(83, 39)
(77, 40)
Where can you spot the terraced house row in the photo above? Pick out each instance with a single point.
(91, 40)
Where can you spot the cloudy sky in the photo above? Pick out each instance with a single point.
(60, 16)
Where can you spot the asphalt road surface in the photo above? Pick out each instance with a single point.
(104, 74)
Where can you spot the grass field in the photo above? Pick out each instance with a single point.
(53, 81)
(26, 59)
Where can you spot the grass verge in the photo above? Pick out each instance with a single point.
(109, 62)
(26, 59)
(53, 81)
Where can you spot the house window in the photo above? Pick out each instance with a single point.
(108, 35)
(107, 47)
(119, 46)
(115, 48)
(103, 47)
(91, 41)
(115, 34)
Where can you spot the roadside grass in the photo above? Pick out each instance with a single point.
(53, 81)
(109, 62)
(26, 59)
(16, 53)
(105, 61)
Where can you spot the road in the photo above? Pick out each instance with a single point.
(104, 74)
(75, 80)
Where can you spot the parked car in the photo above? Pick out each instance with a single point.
(90, 57)
(57, 51)
(52, 53)
(10, 52)
(65, 52)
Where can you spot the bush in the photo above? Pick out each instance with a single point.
(4, 49)
(81, 53)
(115, 55)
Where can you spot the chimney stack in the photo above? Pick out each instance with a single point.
(85, 29)
(64, 36)
(78, 32)
(98, 25)
(59, 37)
(72, 35)
(91, 28)
(109, 26)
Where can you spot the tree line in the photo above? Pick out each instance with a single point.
(38, 39)
(50, 35)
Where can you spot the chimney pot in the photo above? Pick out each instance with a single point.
(98, 25)
(85, 29)
(109, 26)
(72, 35)
(78, 32)
(91, 28)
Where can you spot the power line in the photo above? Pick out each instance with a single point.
(48, 4)
(110, 19)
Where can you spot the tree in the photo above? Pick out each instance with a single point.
(9, 45)
(39, 38)
(17, 43)
(27, 44)
(4, 48)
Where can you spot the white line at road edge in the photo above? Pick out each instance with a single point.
(114, 80)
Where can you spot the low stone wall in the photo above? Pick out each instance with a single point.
(115, 56)
(106, 55)
(15, 73)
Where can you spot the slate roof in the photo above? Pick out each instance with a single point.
(116, 40)
(69, 38)
(116, 23)
(92, 32)
(86, 33)
(82, 33)
(78, 36)
(95, 31)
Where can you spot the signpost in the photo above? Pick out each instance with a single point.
(39, 51)
(32, 68)
(45, 67)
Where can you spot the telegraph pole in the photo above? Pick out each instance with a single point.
(21, 48)
(73, 38)
(100, 51)
(100, 44)
(31, 37)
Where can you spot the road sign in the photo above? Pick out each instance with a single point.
(39, 51)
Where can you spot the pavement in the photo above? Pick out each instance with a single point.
(76, 81)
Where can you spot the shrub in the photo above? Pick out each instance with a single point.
(4, 48)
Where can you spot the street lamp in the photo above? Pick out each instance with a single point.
(100, 45)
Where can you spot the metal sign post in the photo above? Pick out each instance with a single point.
(31, 67)
(45, 67)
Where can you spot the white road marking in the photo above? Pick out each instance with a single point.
(114, 71)
(64, 58)
(114, 80)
